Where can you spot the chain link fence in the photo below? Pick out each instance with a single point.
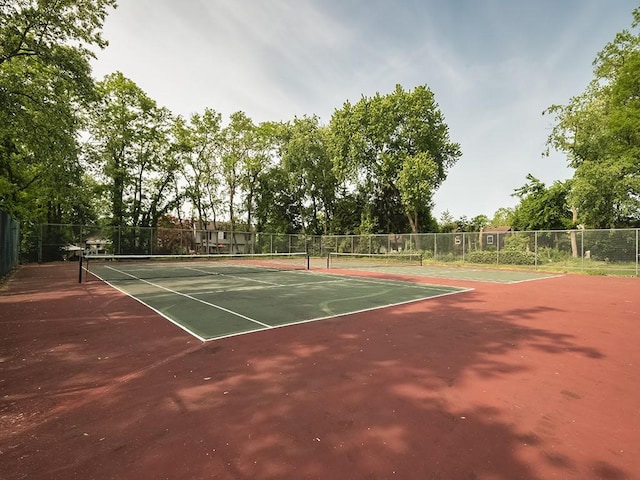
(56, 242)
(9, 243)
(591, 251)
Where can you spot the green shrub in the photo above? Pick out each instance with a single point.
(480, 256)
(448, 257)
(508, 257)
(504, 257)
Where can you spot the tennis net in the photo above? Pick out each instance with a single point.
(146, 267)
(372, 260)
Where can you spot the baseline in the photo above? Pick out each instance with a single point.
(456, 291)
(190, 297)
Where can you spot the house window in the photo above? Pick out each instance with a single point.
(489, 239)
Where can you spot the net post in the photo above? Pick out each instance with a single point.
(328, 257)
(308, 261)
(80, 269)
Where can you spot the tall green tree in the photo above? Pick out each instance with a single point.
(45, 85)
(264, 140)
(542, 207)
(312, 182)
(56, 32)
(349, 215)
(598, 130)
(238, 147)
(446, 223)
(502, 217)
(130, 150)
(396, 149)
(199, 148)
(276, 203)
(417, 181)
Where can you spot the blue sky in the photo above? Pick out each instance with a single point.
(493, 65)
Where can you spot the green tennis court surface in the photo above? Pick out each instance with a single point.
(471, 274)
(212, 302)
(412, 265)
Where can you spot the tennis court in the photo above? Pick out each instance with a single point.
(413, 264)
(213, 297)
(525, 380)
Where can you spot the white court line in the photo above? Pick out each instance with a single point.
(300, 322)
(275, 285)
(191, 298)
(335, 278)
(351, 278)
(471, 278)
(387, 306)
(535, 279)
(233, 276)
(435, 272)
(166, 317)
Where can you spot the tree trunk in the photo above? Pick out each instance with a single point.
(574, 242)
(413, 221)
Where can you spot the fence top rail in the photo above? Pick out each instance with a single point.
(391, 234)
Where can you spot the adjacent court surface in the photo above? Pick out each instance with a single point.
(410, 264)
(412, 373)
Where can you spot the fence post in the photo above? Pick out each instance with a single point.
(582, 249)
(40, 244)
(435, 247)
(535, 249)
(464, 246)
(637, 251)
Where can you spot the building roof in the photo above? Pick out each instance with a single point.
(500, 229)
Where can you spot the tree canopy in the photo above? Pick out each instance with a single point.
(598, 131)
(542, 208)
(45, 89)
(396, 150)
(105, 151)
(77, 150)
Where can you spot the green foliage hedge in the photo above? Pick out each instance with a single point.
(505, 257)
